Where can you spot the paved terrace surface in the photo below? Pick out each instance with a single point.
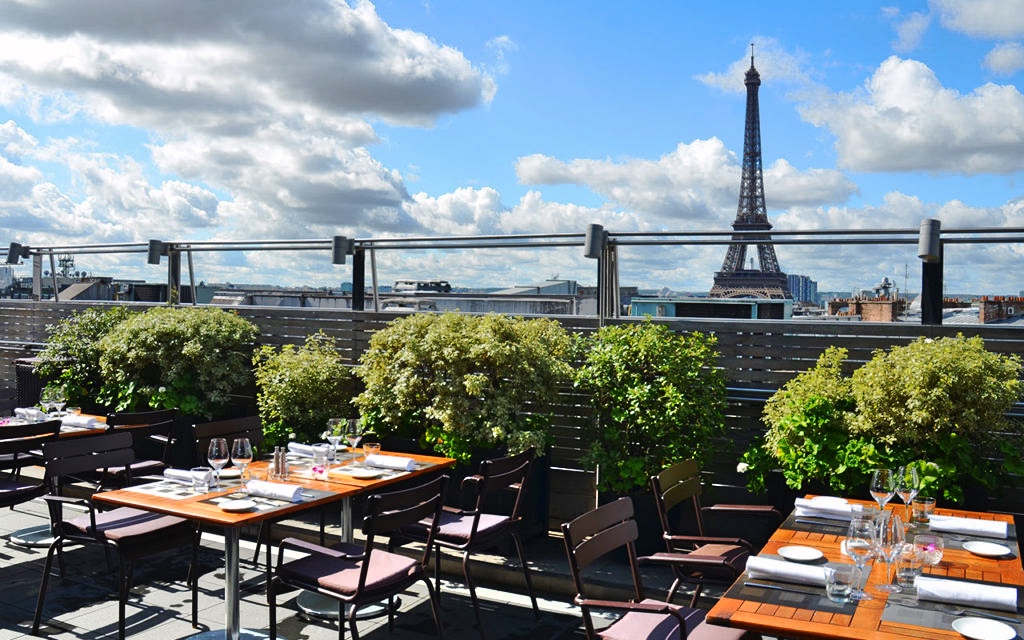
(84, 606)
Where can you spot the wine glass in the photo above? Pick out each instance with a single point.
(883, 486)
(908, 483)
(218, 456)
(353, 433)
(48, 399)
(335, 431)
(860, 546)
(890, 540)
(241, 456)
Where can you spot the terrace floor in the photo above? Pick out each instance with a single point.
(84, 607)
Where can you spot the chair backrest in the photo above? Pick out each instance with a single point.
(503, 474)
(77, 456)
(387, 513)
(140, 417)
(596, 534)
(19, 442)
(30, 430)
(247, 427)
(674, 486)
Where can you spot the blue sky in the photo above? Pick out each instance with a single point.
(199, 120)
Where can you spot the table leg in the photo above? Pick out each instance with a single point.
(232, 597)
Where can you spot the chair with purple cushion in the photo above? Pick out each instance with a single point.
(609, 529)
(133, 533)
(360, 574)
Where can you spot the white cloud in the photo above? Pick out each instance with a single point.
(905, 120)
(992, 19)
(773, 64)
(910, 31)
(1005, 59)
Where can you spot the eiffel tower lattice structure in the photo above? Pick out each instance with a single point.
(734, 281)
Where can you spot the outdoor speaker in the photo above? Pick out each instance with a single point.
(594, 241)
(156, 249)
(929, 248)
(340, 247)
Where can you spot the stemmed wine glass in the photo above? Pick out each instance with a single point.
(334, 433)
(908, 483)
(891, 538)
(860, 546)
(353, 433)
(241, 456)
(48, 399)
(218, 456)
(883, 486)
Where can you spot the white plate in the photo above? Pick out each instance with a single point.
(233, 472)
(984, 629)
(987, 549)
(800, 554)
(237, 505)
(360, 473)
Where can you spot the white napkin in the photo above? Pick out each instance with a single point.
(299, 449)
(30, 413)
(970, 594)
(969, 526)
(823, 508)
(785, 571)
(390, 462)
(78, 420)
(275, 490)
(183, 476)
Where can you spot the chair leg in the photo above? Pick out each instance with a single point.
(526, 575)
(435, 607)
(673, 589)
(41, 599)
(351, 621)
(124, 577)
(272, 605)
(696, 594)
(472, 595)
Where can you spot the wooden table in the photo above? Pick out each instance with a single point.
(796, 616)
(202, 508)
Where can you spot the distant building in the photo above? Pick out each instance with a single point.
(728, 308)
(803, 288)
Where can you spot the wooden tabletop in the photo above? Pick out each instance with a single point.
(865, 621)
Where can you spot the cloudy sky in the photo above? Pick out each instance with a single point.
(243, 120)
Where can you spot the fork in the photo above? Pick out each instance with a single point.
(960, 611)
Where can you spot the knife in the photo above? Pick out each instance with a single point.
(781, 587)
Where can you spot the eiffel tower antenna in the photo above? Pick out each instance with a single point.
(767, 281)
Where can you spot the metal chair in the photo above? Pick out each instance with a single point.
(478, 528)
(611, 528)
(699, 558)
(20, 446)
(355, 574)
(132, 533)
(152, 438)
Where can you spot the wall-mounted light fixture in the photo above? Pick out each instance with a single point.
(341, 247)
(16, 252)
(929, 247)
(156, 249)
(595, 241)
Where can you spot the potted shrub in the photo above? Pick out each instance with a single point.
(939, 405)
(71, 356)
(194, 359)
(298, 388)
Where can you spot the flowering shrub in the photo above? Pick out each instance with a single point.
(458, 382)
(939, 405)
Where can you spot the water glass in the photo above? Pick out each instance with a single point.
(370, 449)
(201, 479)
(908, 566)
(923, 507)
(929, 547)
(840, 582)
(318, 467)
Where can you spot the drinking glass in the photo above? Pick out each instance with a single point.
(908, 483)
(860, 546)
(883, 486)
(47, 399)
(353, 433)
(929, 548)
(218, 456)
(334, 434)
(890, 540)
(241, 456)
(840, 583)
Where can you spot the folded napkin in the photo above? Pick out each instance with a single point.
(299, 449)
(785, 571)
(275, 490)
(969, 594)
(30, 413)
(184, 476)
(818, 508)
(390, 462)
(968, 526)
(78, 420)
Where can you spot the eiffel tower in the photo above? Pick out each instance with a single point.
(734, 281)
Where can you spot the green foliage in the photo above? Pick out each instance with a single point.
(72, 353)
(190, 358)
(939, 405)
(658, 396)
(458, 382)
(300, 388)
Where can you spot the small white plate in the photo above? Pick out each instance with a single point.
(800, 554)
(987, 549)
(234, 506)
(984, 629)
(359, 473)
(233, 472)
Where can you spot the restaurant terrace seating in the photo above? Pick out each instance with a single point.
(152, 438)
(20, 446)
